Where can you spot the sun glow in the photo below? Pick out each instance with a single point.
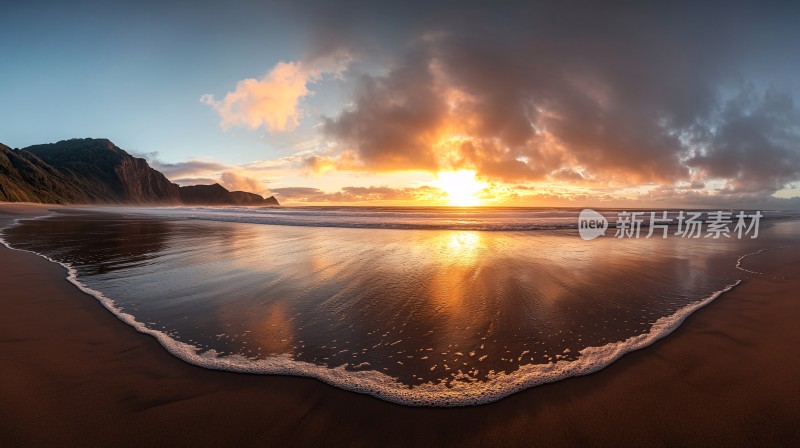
(461, 187)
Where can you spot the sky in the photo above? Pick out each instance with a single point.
(453, 103)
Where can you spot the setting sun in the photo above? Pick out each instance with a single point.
(461, 187)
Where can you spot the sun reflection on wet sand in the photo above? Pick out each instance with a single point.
(464, 245)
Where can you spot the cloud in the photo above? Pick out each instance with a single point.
(294, 193)
(396, 119)
(188, 168)
(691, 198)
(206, 172)
(358, 194)
(453, 103)
(238, 182)
(599, 97)
(187, 181)
(753, 144)
(273, 101)
(316, 165)
(588, 94)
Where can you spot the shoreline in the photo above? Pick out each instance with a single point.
(132, 390)
(595, 358)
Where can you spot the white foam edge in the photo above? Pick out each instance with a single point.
(386, 388)
(740, 259)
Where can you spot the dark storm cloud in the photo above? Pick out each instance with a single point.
(640, 94)
(396, 118)
(754, 144)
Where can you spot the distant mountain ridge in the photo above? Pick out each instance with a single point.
(247, 198)
(95, 171)
(216, 194)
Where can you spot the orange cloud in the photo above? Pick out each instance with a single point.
(238, 182)
(383, 194)
(273, 100)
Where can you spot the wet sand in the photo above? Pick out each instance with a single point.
(73, 374)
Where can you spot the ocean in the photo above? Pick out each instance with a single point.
(418, 306)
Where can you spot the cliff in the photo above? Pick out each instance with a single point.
(26, 178)
(81, 171)
(95, 171)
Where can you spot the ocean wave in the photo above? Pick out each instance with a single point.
(400, 218)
